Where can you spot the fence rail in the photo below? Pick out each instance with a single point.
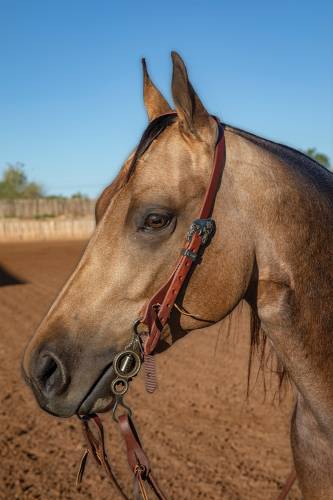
(41, 207)
(51, 229)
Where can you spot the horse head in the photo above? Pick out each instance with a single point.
(142, 218)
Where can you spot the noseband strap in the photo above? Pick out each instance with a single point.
(158, 309)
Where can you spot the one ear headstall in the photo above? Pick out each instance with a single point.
(158, 309)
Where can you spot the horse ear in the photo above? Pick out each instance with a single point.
(155, 103)
(193, 115)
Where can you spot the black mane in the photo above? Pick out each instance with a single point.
(154, 129)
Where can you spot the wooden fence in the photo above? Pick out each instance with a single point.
(49, 229)
(44, 207)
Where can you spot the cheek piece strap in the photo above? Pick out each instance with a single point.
(157, 311)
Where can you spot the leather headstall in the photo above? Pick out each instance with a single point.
(158, 309)
(127, 363)
(147, 333)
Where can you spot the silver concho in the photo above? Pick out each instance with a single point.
(126, 364)
(204, 227)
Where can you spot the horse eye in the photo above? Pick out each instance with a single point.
(156, 221)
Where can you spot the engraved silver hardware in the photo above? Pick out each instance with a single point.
(126, 364)
(188, 253)
(204, 227)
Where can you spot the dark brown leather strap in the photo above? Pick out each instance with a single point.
(287, 486)
(158, 309)
(96, 449)
(135, 454)
(219, 162)
(137, 458)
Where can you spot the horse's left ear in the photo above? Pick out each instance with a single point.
(155, 103)
(193, 116)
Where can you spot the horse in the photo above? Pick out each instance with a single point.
(272, 247)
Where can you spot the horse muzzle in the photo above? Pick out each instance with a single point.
(65, 386)
(126, 365)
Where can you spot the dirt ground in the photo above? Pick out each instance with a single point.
(204, 438)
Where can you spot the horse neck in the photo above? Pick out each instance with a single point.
(286, 201)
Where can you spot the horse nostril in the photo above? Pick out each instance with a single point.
(50, 374)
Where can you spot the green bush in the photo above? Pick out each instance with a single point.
(14, 184)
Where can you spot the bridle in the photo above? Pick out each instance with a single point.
(147, 330)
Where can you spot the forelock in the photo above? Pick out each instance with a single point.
(152, 132)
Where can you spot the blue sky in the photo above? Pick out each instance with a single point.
(71, 85)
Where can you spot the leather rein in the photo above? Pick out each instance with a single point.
(147, 332)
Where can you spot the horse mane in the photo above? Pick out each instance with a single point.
(266, 356)
(154, 129)
(286, 153)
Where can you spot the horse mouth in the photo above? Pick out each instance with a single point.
(99, 398)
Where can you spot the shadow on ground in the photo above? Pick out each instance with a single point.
(8, 279)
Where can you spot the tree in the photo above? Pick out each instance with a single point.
(14, 183)
(319, 157)
(80, 196)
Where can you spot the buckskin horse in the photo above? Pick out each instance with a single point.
(271, 245)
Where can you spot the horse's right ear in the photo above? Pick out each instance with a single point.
(193, 116)
(155, 103)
